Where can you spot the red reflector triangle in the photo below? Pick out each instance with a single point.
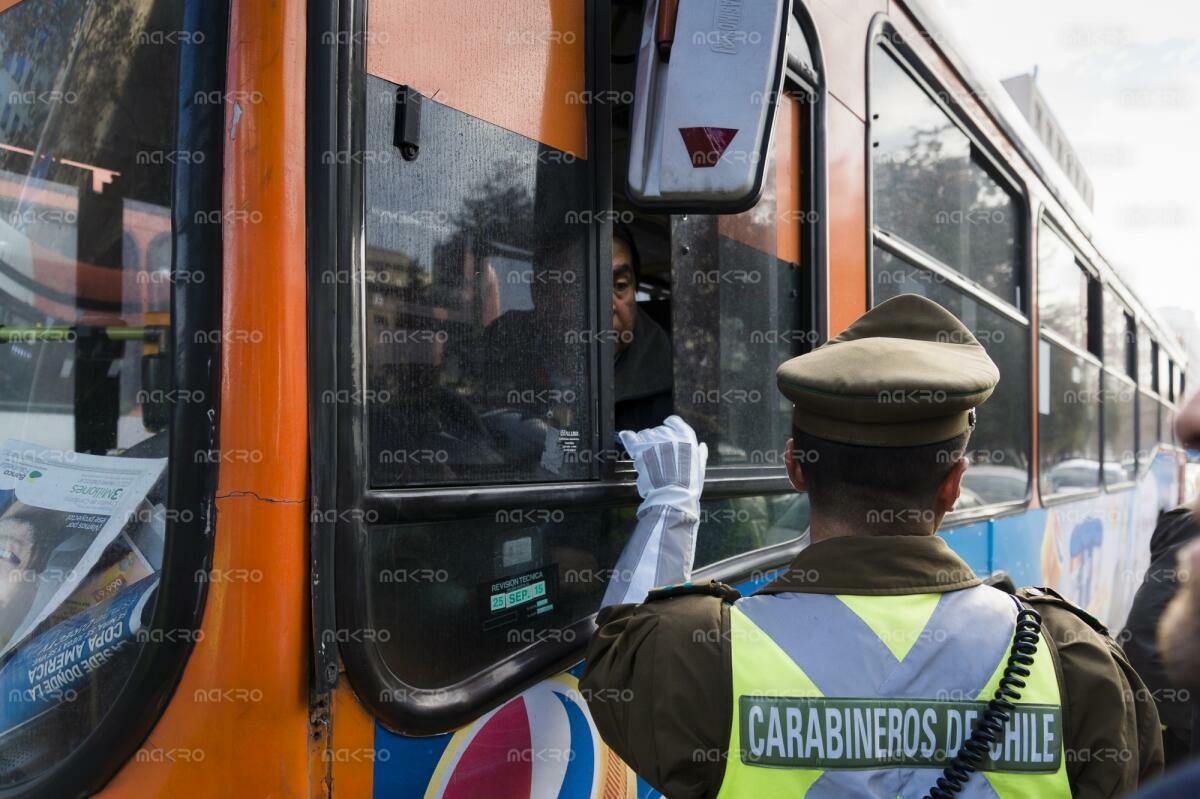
(707, 145)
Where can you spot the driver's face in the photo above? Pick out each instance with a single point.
(624, 298)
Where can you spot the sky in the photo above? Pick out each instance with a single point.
(1123, 80)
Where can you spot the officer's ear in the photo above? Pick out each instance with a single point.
(951, 487)
(793, 468)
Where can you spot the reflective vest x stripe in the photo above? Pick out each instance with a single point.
(871, 696)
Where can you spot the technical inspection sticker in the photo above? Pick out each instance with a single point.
(519, 597)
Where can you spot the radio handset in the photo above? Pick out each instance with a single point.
(986, 733)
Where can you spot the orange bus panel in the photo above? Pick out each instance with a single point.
(240, 715)
(515, 64)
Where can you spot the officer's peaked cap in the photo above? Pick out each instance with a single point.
(905, 373)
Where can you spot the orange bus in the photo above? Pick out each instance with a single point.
(338, 276)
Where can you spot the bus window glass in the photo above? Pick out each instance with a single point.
(479, 355)
(733, 300)
(1145, 358)
(87, 141)
(740, 307)
(1120, 428)
(457, 582)
(730, 527)
(1155, 365)
(1164, 375)
(1148, 436)
(1131, 348)
(462, 583)
(1118, 339)
(931, 188)
(1068, 421)
(1062, 288)
(999, 448)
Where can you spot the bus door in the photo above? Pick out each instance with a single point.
(485, 329)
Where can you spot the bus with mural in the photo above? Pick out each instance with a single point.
(368, 287)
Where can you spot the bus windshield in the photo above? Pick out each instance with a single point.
(87, 108)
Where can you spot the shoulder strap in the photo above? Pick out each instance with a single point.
(727, 593)
(1041, 595)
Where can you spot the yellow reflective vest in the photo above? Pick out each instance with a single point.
(853, 695)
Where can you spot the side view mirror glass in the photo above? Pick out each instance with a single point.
(709, 73)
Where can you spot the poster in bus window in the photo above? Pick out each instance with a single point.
(58, 665)
(122, 563)
(63, 512)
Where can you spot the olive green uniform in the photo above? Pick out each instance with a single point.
(660, 690)
(664, 677)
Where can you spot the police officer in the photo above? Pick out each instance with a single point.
(866, 668)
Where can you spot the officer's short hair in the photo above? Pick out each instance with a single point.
(858, 479)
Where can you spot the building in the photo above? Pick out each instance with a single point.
(1024, 92)
(1186, 326)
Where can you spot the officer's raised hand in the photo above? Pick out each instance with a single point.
(670, 466)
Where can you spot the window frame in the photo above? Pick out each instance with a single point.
(883, 34)
(337, 192)
(160, 661)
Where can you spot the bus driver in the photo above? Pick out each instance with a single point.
(642, 366)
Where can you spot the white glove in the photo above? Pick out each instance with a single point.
(670, 465)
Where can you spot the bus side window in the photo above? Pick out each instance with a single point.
(933, 187)
(1147, 401)
(1163, 375)
(1165, 385)
(1118, 400)
(947, 226)
(478, 348)
(1147, 352)
(999, 446)
(742, 303)
(735, 296)
(1069, 389)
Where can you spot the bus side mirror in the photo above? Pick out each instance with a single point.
(709, 74)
